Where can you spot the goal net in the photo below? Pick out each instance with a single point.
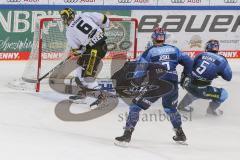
(50, 48)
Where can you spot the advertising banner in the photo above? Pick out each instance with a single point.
(183, 2)
(225, 3)
(127, 2)
(26, 2)
(17, 29)
(132, 2)
(187, 29)
(76, 2)
(191, 29)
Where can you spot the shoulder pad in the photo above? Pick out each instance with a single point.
(223, 57)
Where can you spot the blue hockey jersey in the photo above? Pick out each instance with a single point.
(208, 66)
(169, 56)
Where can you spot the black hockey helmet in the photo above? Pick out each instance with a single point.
(67, 15)
(212, 46)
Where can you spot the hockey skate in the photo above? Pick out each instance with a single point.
(79, 98)
(124, 140)
(184, 105)
(214, 112)
(185, 108)
(100, 99)
(213, 109)
(87, 83)
(180, 137)
(85, 87)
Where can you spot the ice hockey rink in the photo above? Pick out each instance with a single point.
(29, 128)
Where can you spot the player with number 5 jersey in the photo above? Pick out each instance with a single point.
(206, 67)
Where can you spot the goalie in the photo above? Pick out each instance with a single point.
(85, 36)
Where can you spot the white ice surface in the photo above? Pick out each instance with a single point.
(30, 130)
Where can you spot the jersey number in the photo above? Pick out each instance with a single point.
(167, 65)
(202, 67)
(84, 27)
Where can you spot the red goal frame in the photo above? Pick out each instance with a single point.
(133, 20)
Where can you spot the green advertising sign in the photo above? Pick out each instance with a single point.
(17, 27)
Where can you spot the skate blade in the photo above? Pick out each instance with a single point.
(93, 107)
(189, 110)
(182, 143)
(121, 144)
(79, 101)
(215, 114)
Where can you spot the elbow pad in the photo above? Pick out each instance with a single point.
(105, 22)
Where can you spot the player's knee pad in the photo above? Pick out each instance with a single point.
(135, 108)
(223, 96)
(171, 100)
(170, 110)
(143, 103)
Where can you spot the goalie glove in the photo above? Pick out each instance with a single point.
(185, 80)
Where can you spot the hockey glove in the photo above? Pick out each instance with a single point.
(185, 80)
(77, 52)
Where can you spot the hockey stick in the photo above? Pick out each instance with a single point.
(56, 67)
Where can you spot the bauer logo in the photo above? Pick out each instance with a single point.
(230, 1)
(124, 1)
(185, 23)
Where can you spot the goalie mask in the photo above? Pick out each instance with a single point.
(212, 46)
(67, 15)
(158, 35)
